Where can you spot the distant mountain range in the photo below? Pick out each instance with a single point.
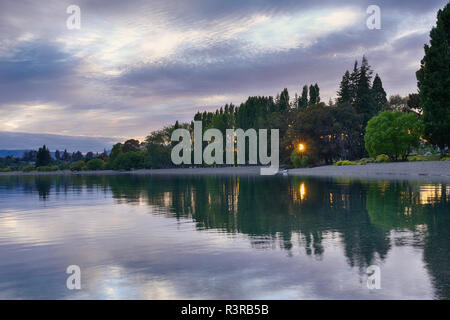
(16, 143)
(19, 153)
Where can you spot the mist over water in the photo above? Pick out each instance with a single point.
(246, 237)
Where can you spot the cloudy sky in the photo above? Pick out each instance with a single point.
(135, 66)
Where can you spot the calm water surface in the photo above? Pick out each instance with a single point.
(142, 237)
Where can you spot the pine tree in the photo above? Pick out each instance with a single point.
(344, 93)
(354, 81)
(363, 100)
(434, 82)
(378, 94)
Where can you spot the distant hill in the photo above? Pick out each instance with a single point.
(14, 153)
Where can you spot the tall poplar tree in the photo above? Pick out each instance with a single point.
(312, 95)
(303, 101)
(317, 89)
(284, 100)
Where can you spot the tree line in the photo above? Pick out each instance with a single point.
(360, 122)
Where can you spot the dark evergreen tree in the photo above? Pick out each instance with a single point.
(353, 83)
(43, 157)
(344, 93)
(378, 94)
(434, 82)
(57, 155)
(364, 102)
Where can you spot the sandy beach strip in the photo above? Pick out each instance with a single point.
(426, 170)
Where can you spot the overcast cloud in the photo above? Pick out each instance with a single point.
(135, 66)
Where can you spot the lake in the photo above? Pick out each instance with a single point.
(212, 237)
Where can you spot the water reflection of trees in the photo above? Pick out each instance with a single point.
(281, 211)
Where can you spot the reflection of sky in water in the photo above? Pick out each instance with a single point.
(150, 240)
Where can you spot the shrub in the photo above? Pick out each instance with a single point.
(445, 159)
(63, 166)
(382, 158)
(5, 170)
(364, 161)
(345, 163)
(393, 134)
(298, 161)
(433, 157)
(29, 168)
(77, 166)
(95, 164)
(47, 168)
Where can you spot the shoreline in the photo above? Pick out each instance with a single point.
(423, 171)
(418, 170)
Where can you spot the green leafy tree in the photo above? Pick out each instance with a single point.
(43, 157)
(95, 164)
(298, 160)
(131, 145)
(434, 82)
(116, 151)
(130, 160)
(393, 134)
(158, 156)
